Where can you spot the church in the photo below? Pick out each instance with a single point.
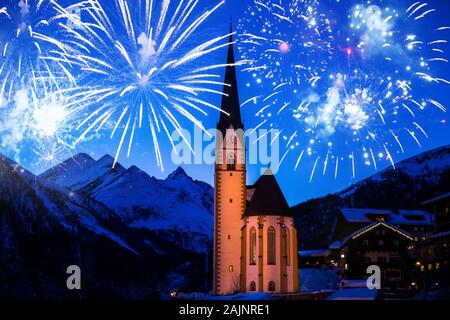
(255, 240)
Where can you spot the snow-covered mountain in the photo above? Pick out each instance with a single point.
(45, 227)
(413, 181)
(177, 206)
(427, 167)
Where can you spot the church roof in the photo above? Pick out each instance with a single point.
(267, 199)
(231, 113)
(372, 226)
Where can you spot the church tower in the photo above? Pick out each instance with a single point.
(229, 186)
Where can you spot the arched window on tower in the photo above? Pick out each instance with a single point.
(252, 246)
(231, 162)
(252, 286)
(271, 243)
(271, 286)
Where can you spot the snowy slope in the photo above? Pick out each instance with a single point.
(413, 181)
(82, 173)
(175, 204)
(73, 212)
(427, 166)
(45, 227)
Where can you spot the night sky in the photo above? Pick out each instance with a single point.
(326, 131)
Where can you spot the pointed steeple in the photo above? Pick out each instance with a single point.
(231, 114)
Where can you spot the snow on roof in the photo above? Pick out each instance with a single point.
(314, 253)
(440, 234)
(412, 217)
(360, 215)
(335, 245)
(369, 227)
(443, 196)
(354, 294)
(403, 217)
(351, 283)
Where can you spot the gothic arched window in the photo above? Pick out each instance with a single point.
(231, 162)
(252, 246)
(271, 286)
(271, 258)
(252, 286)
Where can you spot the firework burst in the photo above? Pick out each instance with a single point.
(144, 70)
(369, 108)
(37, 119)
(400, 39)
(286, 41)
(29, 114)
(25, 40)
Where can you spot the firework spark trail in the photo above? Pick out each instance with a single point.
(373, 159)
(314, 169)
(147, 70)
(336, 168)
(299, 159)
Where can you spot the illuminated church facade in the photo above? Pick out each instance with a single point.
(255, 240)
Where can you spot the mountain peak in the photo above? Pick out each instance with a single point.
(133, 169)
(82, 156)
(106, 159)
(177, 173)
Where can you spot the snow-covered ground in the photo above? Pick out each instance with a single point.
(317, 279)
(354, 294)
(237, 296)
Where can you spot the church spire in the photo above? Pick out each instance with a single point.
(231, 114)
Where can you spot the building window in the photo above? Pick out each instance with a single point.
(252, 246)
(366, 243)
(380, 243)
(271, 286)
(229, 237)
(230, 268)
(438, 265)
(396, 243)
(231, 200)
(430, 266)
(231, 162)
(252, 286)
(271, 245)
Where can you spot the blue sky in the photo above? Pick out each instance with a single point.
(298, 184)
